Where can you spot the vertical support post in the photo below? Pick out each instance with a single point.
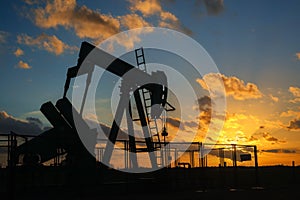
(294, 177)
(55, 158)
(8, 150)
(255, 157)
(235, 173)
(115, 128)
(169, 156)
(166, 153)
(162, 156)
(125, 155)
(221, 155)
(176, 157)
(234, 155)
(98, 154)
(12, 143)
(132, 145)
(202, 164)
(148, 139)
(256, 166)
(88, 82)
(192, 158)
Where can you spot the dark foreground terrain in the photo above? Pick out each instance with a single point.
(278, 182)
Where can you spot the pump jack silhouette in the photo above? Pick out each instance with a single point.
(64, 138)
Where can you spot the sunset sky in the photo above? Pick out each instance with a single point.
(255, 45)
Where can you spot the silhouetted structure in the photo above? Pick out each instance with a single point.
(63, 138)
(76, 171)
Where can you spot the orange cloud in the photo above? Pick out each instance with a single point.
(128, 40)
(153, 7)
(19, 52)
(296, 92)
(238, 121)
(49, 43)
(168, 16)
(295, 100)
(84, 21)
(147, 7)
(298, 56)
(131, 21)
(275, 99)
(23, 65)
(88, 23)
(234, 86)
(290, 113)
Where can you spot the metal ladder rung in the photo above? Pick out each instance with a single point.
(141, 64)
(141, 58)
(141, 51)
(149, 105)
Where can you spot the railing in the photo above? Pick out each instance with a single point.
(196, 154)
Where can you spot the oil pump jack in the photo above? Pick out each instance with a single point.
(149, 91)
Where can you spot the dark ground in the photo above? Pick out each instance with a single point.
(278, 182)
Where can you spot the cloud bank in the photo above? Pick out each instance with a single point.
(93, 24)
(49, 43)
(30, 126)
(234, 86)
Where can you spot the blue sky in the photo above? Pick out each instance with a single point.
(254, 41)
